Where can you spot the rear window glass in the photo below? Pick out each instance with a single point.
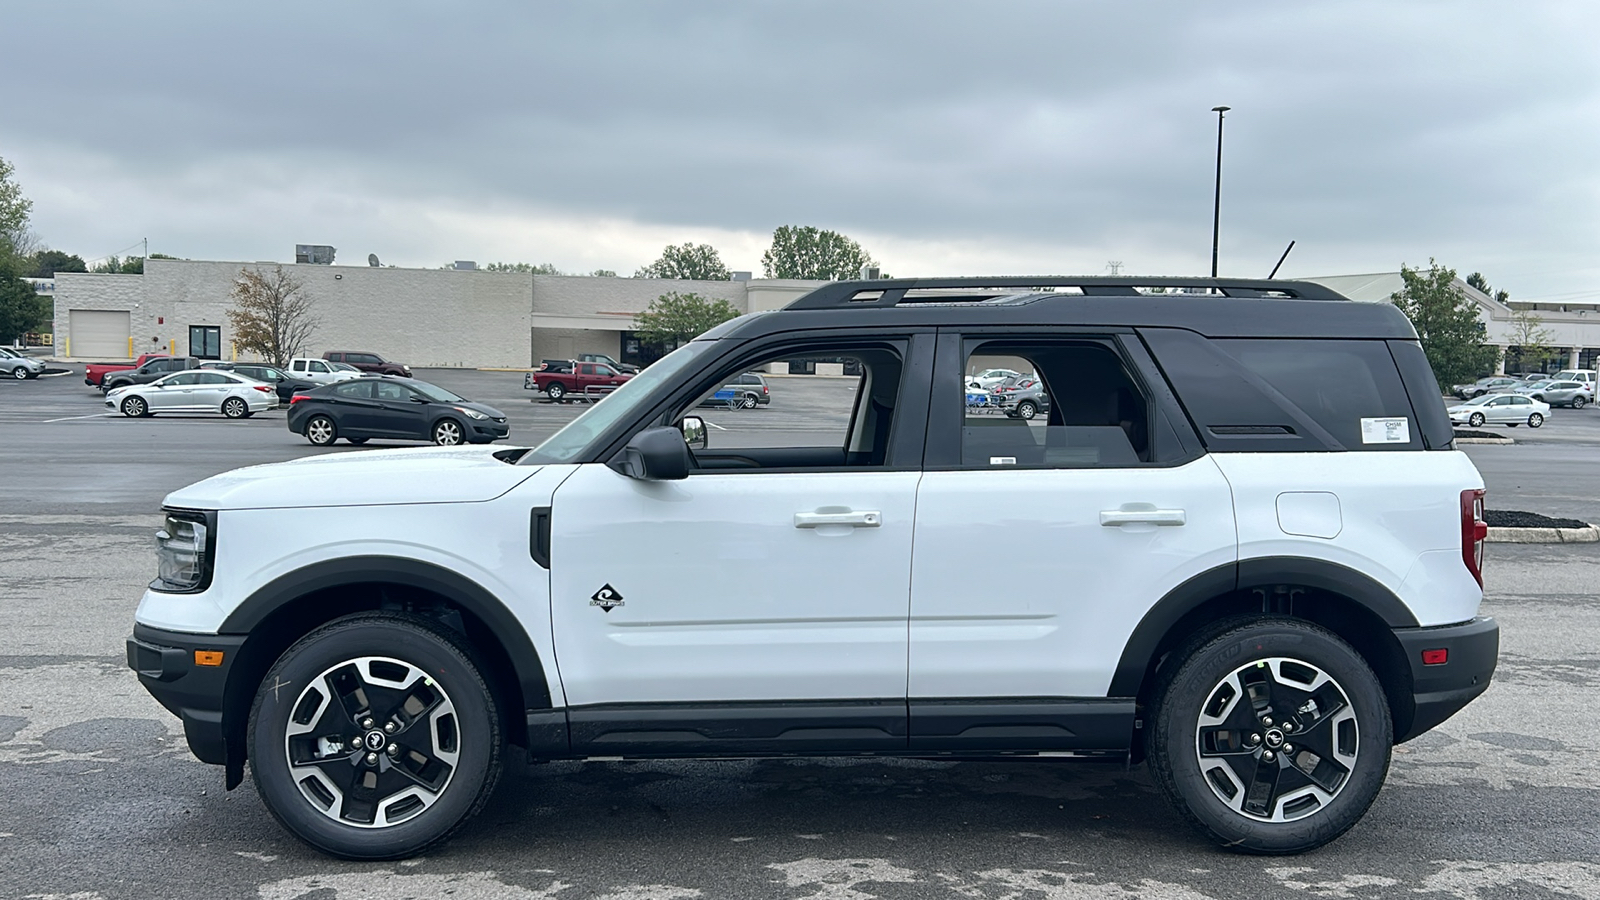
(1350, 388)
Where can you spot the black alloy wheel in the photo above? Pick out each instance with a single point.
(321, 431)
(375, 736)
(1475, 420)
(235, 408)
(134, 407)
(1271, 735)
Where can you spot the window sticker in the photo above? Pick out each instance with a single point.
(1396, 430)
(1002, 460)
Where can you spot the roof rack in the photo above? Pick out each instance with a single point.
(893, 292)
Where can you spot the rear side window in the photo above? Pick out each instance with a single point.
(355, 389)
(1290, 395)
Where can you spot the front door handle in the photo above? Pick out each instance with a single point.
(1115, 517)
(863, 519)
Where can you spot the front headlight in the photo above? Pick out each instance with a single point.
(471, 412)
(185, 546)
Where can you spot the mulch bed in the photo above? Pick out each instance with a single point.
(1512, 518)
(1462, 432)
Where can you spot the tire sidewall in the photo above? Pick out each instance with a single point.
(235, 403)
(1475, 420)
(411, 640)
(333, 427)
(1172, 741)
(461, 433)
(134, 407)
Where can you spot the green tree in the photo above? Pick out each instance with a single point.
(694, 262)
(527, 268)
(113, 265)
(808, 252)
(1531, 338)
(14, 210)
(1447, 322)
(602, 273)
(21, 310)
(674, 318)
(46, 263)
(271, 315)
(1477, 280)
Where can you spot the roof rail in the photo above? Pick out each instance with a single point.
(892, 291)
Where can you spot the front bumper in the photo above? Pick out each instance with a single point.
(1440, 691)
(483, 432)
(165, 662)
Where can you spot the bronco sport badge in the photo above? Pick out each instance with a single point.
(606, 598)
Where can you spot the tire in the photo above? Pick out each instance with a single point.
(1027, 409)
(1539, 397)
(357, 441)
(235, 408)
(1578, 402)
(448, 433)
(396, 659)
(20, 373)
(1475, 420)
(1535, 420)
(750, 402)
(322, 431)
(1475, 395)
(555, 391)
(1201, 763)
(135, 407)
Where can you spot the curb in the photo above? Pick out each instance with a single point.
(1488, 440)
(1586, 535)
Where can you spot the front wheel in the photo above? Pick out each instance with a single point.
(1535, 420)
(387, 740)
(555, 391)
(1475, 420)
(1272, 736)
(21, 372)
(134, 407)
(447, 433)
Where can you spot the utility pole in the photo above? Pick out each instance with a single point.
(1216, 203)
(1115, 266)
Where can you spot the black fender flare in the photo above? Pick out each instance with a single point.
(351, 570)
(1243, 576)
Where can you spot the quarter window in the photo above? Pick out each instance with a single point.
(356, 389)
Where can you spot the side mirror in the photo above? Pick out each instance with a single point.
(417, 399)
(695, 433)
(654, 454)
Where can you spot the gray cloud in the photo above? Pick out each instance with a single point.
(1047, 136)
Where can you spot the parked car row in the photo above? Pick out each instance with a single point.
(1508, 384)
(201, 390)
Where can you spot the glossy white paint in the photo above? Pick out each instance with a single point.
(1018, 589)
(1310, 514)
(1395, 507)
(485, 542)
(724, 597)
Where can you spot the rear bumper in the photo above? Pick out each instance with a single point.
(1440, 691)
(165, 663)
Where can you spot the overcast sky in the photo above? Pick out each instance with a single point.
(948, 138)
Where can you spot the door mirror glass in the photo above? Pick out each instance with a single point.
(695, 433)
(654, 454)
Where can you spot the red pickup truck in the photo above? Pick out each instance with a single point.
(95, 373)
(581, 381)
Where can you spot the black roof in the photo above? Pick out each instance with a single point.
(1234, 308)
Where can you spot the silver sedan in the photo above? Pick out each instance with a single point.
(1509, 410)
(197, 390)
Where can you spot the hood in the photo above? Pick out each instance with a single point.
(360, 478)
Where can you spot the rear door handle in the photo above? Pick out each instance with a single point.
(1115, 517)
(863, 519)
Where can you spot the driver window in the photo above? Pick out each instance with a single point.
(390, 391)
(816, 407)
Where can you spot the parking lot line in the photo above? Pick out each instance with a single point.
(71, 418)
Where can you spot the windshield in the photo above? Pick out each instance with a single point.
(566, 444)
(7, 354)
(434, 392)
(343, 367)
(1479, 401)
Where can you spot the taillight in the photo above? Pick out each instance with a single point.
(1474, 532)
(297, 398)
(261, 387)
(765, 389)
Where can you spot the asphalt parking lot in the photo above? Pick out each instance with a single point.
(102, 799)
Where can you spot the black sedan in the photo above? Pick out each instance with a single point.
(389, 407)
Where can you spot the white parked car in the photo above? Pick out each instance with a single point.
(1500, 409)
(197, 390)
(321, 371)
(988, 378)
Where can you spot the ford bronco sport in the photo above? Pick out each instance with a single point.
(1250, 556)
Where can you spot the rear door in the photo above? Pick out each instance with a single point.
(1041, 544)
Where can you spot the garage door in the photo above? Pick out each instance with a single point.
(99, 332)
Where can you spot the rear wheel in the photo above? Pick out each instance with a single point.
(1535, 420)
(1578, 402)
(1027, 409)
(235, 408)
(134, 407)
(1272, 736)
(321, 431)
(447, 433)
(555, 391)
(750, 401)
(386, 743)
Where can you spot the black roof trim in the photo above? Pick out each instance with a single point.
(892, 292)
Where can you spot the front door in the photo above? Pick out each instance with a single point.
(758, 604)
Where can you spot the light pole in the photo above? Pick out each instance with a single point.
(1216, 203)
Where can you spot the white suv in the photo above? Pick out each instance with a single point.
(1255, 581)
